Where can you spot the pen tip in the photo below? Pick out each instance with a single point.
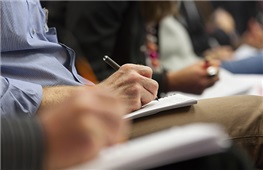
(105, 57)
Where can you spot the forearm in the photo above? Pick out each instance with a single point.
(174, 80)
(19, 98)
(55, 95)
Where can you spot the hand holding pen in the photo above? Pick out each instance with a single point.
(132, 83)
(210, 69)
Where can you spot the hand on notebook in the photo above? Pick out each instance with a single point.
(133, 84)
(165, 103)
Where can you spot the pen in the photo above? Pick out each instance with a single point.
(211, 70)
(112, 63)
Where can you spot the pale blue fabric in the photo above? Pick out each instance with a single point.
(250, 65)
(31, 57)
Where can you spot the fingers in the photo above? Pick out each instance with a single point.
(140, 89)
(88, 136)
(98, 101)
(150, 92)
(210, 81)
(207, 81)
(144, 78)
(79, 128)
(105, 107)
(134, 84)
(97, 131)
(214, 62)
(145, 89)
(142, 70)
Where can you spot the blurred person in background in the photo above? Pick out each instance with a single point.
(176, 50)
(219, 28)
(127, 32)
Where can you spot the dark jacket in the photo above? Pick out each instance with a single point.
(21, 144)
(98, 28)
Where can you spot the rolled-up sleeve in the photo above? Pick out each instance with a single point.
(19, 97)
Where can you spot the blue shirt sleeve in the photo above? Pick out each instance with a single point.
(19, 97)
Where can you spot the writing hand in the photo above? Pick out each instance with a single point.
(133, 84)
(192, 79)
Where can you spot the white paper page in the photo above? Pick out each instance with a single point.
(256, 80)
(168, 146)
(229, 84)
(166, 103)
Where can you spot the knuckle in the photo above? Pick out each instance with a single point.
(126, 66)
(133, 77)
(134, 90)
(148, 70)
(155, 85)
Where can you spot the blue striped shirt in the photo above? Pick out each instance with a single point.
(31, 57)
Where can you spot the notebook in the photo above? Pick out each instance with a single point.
(161, 148)
(229, 84)
(165, 103)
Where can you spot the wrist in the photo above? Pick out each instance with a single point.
(172, 81)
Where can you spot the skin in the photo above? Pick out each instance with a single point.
(192, 79)
(79, 121)
(78, 128)
(131, 83)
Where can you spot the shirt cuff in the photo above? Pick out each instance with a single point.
(162, 81)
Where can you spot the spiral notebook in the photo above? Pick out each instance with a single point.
(165, 103)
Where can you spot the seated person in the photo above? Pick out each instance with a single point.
(38, 75)
(118, 29)
(67, 135)
(213, 24)
(177, 51)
